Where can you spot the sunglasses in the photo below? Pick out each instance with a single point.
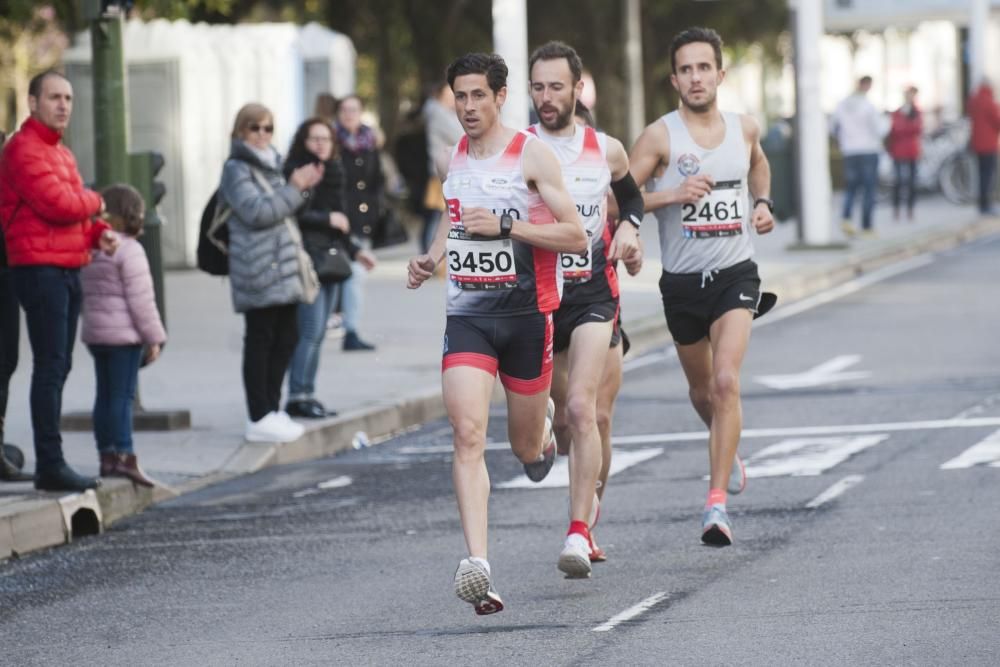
(254, 127)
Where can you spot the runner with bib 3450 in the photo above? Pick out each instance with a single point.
(510, 216)
(700, 166)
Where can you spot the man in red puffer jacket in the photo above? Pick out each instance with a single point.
(984, 115)
(49, 226)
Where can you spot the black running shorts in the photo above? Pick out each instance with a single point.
(693, 301)
(570, 316)
(519, 348)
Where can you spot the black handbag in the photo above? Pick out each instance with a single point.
(333, 264)
(389, 230)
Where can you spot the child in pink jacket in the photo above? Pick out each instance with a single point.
(120, 321)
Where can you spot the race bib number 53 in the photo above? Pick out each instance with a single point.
(719, 213)
(484, 264)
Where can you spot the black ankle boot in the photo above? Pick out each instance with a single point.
(64, 478)
(353, 343)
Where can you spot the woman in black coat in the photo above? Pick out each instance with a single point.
(325, 234)
(364, 197)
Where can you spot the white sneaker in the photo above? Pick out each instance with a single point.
(272, 428)
(574, 560)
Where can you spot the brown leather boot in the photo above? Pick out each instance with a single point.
(109, 461)
(128, 466)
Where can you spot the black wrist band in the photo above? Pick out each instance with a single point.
(506, 224)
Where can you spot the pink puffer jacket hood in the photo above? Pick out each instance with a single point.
(119, 306)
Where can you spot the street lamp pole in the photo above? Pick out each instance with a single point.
(510, 40)
(633, 70)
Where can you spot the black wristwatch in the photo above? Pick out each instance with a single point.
(764, 200)
(635, 222)
(506, 224)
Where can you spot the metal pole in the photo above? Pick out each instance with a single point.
(110, 101)
(814, 177)
(510, 40)
(633, 69)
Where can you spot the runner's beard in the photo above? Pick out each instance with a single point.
(562, 120)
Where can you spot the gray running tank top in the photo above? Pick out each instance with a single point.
(713, 233)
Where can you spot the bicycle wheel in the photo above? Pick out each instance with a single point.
(957, 178)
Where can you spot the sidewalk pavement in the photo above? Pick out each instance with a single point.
(379, 393)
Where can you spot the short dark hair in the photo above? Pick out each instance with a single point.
(691, 36)
(489, 64)
(35, 85)
(555, 50)
(126, 205)
(865, 81)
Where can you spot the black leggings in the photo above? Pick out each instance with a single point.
(271, 336)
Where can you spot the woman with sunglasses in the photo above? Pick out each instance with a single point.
(325, 233)
(263, 265)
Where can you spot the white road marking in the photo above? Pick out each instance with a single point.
(632, 612)
(986, 451)
(559, 475)
(802, 457)
(834, 491)
(788, 432)
(335, 483)
(829, 372)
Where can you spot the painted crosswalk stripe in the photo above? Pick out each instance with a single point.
(559, 475)
(632, 612)
(986, 451)
(335, 483)
(834, 491)
(799, 457)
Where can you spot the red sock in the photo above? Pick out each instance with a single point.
(580, 528)
(716, 497)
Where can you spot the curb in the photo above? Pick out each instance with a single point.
(30, 524)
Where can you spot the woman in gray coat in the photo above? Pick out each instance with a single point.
(264, 270)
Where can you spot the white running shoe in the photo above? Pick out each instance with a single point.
(474, 584)
(272, 428)
(574, 560)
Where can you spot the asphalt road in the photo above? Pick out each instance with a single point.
(868, 533)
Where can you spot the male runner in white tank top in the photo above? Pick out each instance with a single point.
(701, 166)
(510, 215)
(584, 323)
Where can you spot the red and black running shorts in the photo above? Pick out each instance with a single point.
(570, 316)
(518, 347)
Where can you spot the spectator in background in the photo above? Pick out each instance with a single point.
(859, 129)
(443, 132)
(904, 147)
(264, 270)
(119, 318)
(325, 233)
(365, 202)
(984, 114)
(10, 336)
(326, 108)
(50, 223)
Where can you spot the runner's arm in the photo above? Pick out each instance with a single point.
(628, 200)
(421, 267)
(651, 150)
(541, 168)
(759, 178)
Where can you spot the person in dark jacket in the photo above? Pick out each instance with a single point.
(51, 223)
(364, 198)
(264, 269)
(325, 231)
(904, 148)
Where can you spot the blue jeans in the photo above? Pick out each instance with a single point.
(987, 174)
(353, 296)
(906, 181)
(117, 371)
(861, 172)
(312, 331)
(50, 297)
